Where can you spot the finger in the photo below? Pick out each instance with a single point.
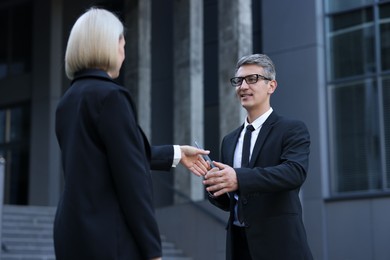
(207, 182)
(199, 171)
(216, 184)
(211, 173)
(212, 188)
(196, 172)
(219, 165)
(211, 181)
(220, 192)
(201, 168)
(202, 151)
(202, 163)
(217, 189)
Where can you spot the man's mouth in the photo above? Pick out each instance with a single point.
(245, 95)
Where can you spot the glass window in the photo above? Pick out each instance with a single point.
(19, 127)
(340, 5)
(386, 109)
(359, 95)
(356, 157)
(2, 126)
(3, 43)
(15, 42)
(351, 44)
(14, 147)
(21, 47)
(384, 13)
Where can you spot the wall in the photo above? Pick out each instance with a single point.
(358, 229)
(196, 228)
(349, 229)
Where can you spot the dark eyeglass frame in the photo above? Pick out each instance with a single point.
(237, 81)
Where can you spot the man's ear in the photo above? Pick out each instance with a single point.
(273, 84)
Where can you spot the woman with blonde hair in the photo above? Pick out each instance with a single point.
(106, 208)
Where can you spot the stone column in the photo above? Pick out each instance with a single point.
(235, 41)
(188, 88)
(45, 163)
(138, 58)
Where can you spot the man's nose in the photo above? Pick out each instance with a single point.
(244, 85)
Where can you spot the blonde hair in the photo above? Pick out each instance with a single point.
(93, 42)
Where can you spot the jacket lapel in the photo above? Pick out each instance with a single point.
(231, 145)
(264, 131)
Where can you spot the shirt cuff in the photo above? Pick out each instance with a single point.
(176, 155)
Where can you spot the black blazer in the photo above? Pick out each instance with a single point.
(106, 208)
(269, 190)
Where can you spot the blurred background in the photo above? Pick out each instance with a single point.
(333, 70)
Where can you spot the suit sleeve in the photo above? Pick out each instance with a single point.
(162, 157)
(287, 161)
(126, 154)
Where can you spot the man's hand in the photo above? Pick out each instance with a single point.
(221, 180)
(191, 158)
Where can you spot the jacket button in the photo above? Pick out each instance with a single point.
(244, 201)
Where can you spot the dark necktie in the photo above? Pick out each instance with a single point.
(246, 146)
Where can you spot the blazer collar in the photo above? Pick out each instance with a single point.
(92, 73)
(264, 131)
(231, 144)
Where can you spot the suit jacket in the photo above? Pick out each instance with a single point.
(269, 190)
(106, 209)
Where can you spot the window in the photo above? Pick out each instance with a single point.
(14, 148)
(351, 34)
(386, 107)
(15, 40)
(340, 5)
(385, 36)
(355, 136)
(358, 45)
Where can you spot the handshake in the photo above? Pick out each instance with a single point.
(219, 178)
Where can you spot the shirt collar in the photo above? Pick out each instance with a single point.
(260, 120)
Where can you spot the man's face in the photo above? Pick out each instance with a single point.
(256, 96)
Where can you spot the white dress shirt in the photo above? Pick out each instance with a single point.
(257, 124)
(176, 155)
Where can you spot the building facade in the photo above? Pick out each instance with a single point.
(333, 70)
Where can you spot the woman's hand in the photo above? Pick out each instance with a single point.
(191, 158)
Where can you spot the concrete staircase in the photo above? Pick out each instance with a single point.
(27, 235)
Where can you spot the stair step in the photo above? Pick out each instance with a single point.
(28, 240)
(19, 256)
(27, 235)
(176, 258)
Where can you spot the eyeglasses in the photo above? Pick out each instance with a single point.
(250, 79)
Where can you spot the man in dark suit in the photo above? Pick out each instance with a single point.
(261, 172)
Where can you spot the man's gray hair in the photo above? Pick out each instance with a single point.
(261, 60)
